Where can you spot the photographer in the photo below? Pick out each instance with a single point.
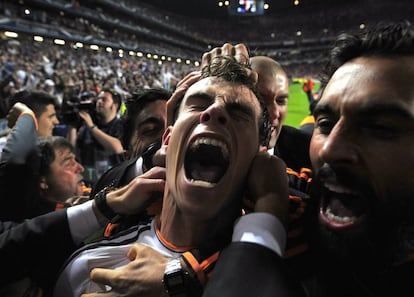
(97, 141)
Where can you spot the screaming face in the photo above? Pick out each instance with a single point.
(212, 144)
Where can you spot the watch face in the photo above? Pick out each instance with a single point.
(175, 279)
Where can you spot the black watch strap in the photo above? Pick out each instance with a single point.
(102, 205)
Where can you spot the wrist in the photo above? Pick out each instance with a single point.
(180, 280)
(105, 208)
(93, 126)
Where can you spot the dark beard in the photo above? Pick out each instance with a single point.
(383, 243)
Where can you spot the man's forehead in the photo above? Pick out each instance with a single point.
(216, 86)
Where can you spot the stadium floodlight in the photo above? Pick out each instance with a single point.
(59, 41)
(38, 38)
(11, 34)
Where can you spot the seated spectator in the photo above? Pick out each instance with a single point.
(211, 151)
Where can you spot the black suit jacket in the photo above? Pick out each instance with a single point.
(292, 147)
(247, 269)
(117, 176)
(36, 248)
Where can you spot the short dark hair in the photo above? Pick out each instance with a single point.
(138, 100)
(383, 40)
(47, 147)
(37, 101)
(116, 97)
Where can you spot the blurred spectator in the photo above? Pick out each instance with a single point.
(97, 142)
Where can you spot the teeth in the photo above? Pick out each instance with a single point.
(214, 142)
(335, 218)
(201, 182)
(338, 189)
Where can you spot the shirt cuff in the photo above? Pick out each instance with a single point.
(138, 166)
(263, 229)
(82, 221)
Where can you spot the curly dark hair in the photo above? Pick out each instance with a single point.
(385, 39)
(138, 100)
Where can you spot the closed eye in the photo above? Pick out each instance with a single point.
(239, 112)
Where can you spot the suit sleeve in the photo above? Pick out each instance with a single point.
(248, 269)
(36, 248)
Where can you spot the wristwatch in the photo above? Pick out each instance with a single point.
(175, 278)
(102, 205)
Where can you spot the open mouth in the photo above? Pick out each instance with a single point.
(207, 160)
(341, 207)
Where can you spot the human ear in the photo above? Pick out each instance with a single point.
(166, 139)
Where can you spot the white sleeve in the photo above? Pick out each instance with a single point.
(82, 221)
(138, 166)
(263, 229)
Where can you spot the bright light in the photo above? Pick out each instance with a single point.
(79, 44)
(227, 3)
(59, 41)
(38, 38)
(26, 11)
(132, 53)
(109, 49)
(296, 2)
(169, 59)
(220, 3)
(11, 34)
(149, 55)
(188, 62)
(163, 58)
(139, 54)
(299, 33)
(155, 57)
(196, 63)
(266, 6)
(362, 26)
(178, 60)
(120, 51)
(159, 62)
